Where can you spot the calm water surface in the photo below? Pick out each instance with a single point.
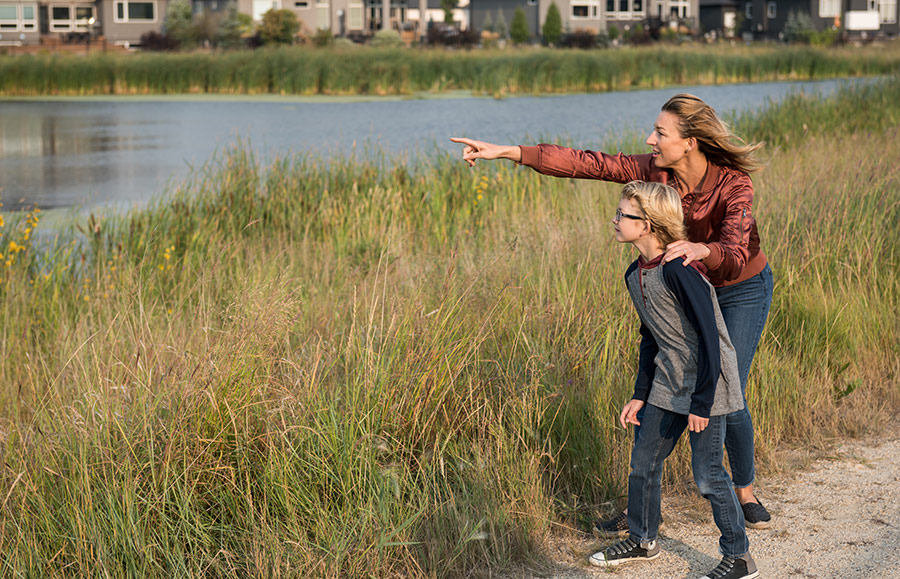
(123, 152)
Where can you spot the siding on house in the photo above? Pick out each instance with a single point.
(125, 21)
(19, 23)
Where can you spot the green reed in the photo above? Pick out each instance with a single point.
(371, 71)
(370, 368)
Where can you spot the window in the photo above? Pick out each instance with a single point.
(637, 5)
(9, 17)
(67, 17)
(680, 8)
(301, 4)
(748, 10)
(29, 20)
(829, 8)
(355, 16)
(323, 22)
(131, 11)
(770, 10)
(873, 5)
(887, 11)
(623, 5)
(585, 8)
(610, 5)
(60, 13)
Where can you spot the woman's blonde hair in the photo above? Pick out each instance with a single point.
(661, 206)
(715, 140)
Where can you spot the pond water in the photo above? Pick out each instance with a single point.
(124, 151)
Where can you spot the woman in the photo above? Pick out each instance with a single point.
(694, 152)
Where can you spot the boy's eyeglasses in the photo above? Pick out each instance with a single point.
(620, 215)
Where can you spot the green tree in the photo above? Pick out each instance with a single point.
(518, 31)
(552, 25)
(500, 27)
(278, 27)
(234, 27)
(179, 23)
(613, 32)
(488, 23)
(448, 6)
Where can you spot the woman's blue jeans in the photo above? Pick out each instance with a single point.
(660, 430)
(745, 307)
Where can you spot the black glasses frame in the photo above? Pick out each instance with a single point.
(620, 215)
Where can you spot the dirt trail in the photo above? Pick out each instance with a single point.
(840, 518)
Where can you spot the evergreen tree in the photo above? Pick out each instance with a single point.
(179, 24)
(233, 27)
(448, 6)
(552, 25)
(488, 23)
(500, 27)
(518, 31)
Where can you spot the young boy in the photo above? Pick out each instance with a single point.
(687, 378)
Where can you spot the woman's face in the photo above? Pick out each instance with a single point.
(668, 146)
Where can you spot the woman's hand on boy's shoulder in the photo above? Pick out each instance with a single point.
(697, 423)
(689, 251)
(629, 413)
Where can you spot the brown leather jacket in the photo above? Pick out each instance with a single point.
(718, 213)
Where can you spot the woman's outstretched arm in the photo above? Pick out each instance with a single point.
(488, 151)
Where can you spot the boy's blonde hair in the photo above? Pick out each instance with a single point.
(661, 206)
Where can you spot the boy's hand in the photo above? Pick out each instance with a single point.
(697, 424)
(629, 413)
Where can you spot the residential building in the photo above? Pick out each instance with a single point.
(595, 15)
(766, 18)
(123, 22)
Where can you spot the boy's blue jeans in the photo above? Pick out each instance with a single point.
(745, 307)
(660, 430)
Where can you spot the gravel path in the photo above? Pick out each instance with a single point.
(839, 518)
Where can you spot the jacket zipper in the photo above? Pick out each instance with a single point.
(743, 214)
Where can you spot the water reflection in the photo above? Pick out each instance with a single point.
(124, 152)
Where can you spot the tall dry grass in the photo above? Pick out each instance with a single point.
(364, 368)
(374, 71)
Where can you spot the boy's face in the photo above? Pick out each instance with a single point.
(629, 222)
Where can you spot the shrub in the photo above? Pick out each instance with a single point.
(323, 37)
(581, 38)
(387, 39)
(613, 33)
(518, 32)
(157, 42)
(179, 25)
(552, 25)
(278, 27)
(799, 27)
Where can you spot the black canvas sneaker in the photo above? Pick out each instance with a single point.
(625, 552)
(756, 516)
(616, 527)
(741, 568)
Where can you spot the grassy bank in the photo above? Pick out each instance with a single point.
(348, 370)
(369, 71)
